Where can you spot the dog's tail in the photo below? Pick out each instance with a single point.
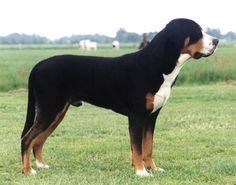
(30, 116)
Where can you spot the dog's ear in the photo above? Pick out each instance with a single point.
(178, 31)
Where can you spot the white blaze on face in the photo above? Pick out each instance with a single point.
(208, 45)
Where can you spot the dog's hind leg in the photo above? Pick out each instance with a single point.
(46, 120)
(40, 139)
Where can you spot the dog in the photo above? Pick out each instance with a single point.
(136, 85)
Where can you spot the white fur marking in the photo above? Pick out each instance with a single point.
(32, 171)
(164, 92)
(142, 173)
(160, 170)
(41, 165)
(208, 45)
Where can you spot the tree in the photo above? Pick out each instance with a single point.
(214, 32)
(123, 36)
(230, 36)
(16, 38)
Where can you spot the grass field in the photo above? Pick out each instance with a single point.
(195, 142)
(195, 137)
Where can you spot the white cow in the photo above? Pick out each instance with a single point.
(116, 44)
(87, 44)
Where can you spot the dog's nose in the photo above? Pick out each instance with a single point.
(215, 42)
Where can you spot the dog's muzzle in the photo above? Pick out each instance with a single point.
(209, 48)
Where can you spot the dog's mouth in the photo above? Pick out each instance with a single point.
(199, 55)
(207, 51)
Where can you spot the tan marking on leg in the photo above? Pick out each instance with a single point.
(26, 161)
(37, 148)
(137, 161)
(147, 146)
(40, 140)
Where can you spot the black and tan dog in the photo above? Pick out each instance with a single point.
(136, 85)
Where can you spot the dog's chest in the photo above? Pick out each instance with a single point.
(163, 94)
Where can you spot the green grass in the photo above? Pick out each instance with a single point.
(195, 142)
(195, 138)
(16, 64)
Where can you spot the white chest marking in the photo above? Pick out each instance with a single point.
(164, 92)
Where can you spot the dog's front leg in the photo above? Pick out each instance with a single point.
(147, 142)
(136, 135)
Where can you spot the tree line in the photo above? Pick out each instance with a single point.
(122, 36)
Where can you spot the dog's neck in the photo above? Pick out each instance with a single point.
(170, 78)
(164, 91)
(168, 52)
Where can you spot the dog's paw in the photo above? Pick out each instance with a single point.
(155, 170)
(160, 170)
(29, 171)
(142, 173)
(32, 171)
(41, 165)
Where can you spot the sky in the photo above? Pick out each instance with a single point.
(58, 18)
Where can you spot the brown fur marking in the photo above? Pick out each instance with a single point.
(40, 140)
(149, 101)
(147, 145)
(137, 160)
(197, 47)
(37, 143)
(192, 48)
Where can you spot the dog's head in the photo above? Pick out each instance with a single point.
(188, 36)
